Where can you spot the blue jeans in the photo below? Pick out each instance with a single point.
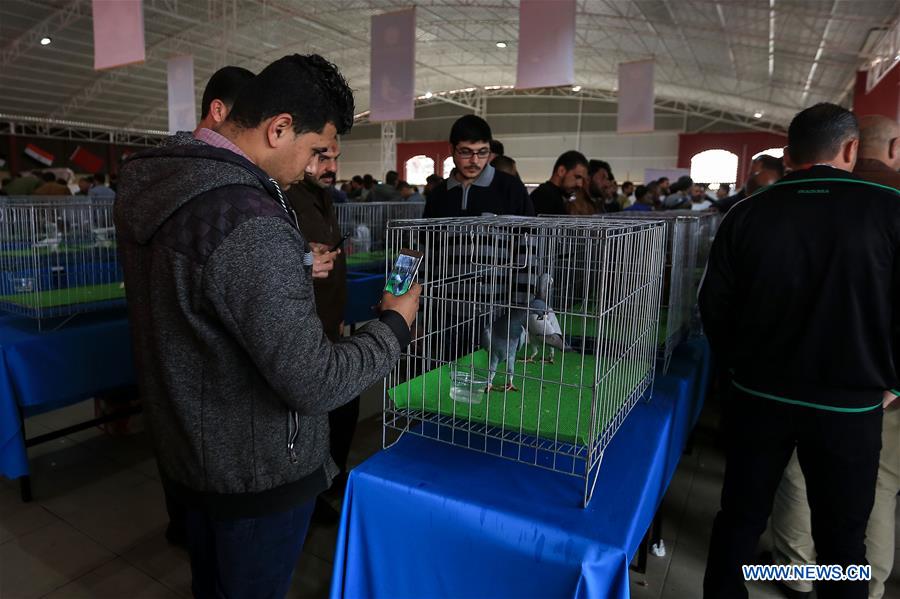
(248, 557)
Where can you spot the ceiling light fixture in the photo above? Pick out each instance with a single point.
(501, 44)
(45, 41)
(757, 115)
(577, 88)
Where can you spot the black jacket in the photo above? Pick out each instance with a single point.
(801, 296)
(548, 198)
(494, 191)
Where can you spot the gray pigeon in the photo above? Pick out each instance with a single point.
(543, 327)
(503, 339)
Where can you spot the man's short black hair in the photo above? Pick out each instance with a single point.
(357, 179)
(627, 183)
(470, 128)
(308, 87)
(596, 165)
(390, 178)
(770, 163)
(434, 179)
(224, 85)
(403, 185)
(661, 179)
(368, 179)
(100, 178)
(640, 191)
(817, 133)
(497, 148)
(570, 160)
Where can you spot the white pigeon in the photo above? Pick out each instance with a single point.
(543, 327)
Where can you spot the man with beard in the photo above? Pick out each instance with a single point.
(314, 205)
(602, 186)
(569, 175)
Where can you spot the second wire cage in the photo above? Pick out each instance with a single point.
(535, 336)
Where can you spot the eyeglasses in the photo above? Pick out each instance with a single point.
(469, 152)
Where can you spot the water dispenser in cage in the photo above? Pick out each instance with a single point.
(535, 337)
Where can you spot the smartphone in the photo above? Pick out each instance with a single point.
(340, 243)
(404, 272)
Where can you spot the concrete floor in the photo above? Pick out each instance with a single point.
(95, 528)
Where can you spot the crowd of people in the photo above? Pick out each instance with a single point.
(49, 183)
(236, 285)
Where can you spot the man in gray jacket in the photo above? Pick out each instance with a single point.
(236, 373)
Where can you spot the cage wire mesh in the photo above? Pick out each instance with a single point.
(678, 299)
(365, 223)
(535, 336)
(58, 256)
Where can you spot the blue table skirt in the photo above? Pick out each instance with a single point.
(426, 519)
(40, 371)
(364, 290)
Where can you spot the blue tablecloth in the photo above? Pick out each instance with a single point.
(425, 519)
(364, 290)
(40, 371)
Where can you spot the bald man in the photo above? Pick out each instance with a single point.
(879, 151)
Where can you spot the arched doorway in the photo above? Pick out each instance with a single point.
(714, 167)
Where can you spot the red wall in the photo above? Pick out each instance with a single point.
(436, 150)
(884, 98)
(743, 143)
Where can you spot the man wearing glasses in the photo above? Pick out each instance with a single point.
(474, 187)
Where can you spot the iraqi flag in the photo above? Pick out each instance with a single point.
(86, 161)
(38, 154)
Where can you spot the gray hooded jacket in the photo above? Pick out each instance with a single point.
(236, 374)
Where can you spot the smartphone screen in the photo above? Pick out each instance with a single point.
(404, 272)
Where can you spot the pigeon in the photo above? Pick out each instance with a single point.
(503, 339)
(543, 327)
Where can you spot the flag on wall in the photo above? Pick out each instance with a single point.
(182, 100)
(118, 33)
(39, 154)
(546, 43)
(393, 66)
(635, 97)
(86, 161)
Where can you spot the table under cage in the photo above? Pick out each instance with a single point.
(535, 337)
(426, 519)
(58, 257)
(365, 223)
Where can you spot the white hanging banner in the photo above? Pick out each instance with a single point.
(118, 33)
(393, 66)
(182, 100)
(546, 43)
(635, 97)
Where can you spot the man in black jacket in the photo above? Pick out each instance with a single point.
(800, 301)
(236, 372)
(475, 187)
(570, 172)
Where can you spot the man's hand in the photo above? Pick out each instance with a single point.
(407, 304)
(323, 260)
(889, 401)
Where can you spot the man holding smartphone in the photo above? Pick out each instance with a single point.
(236, 373)
(314, 206)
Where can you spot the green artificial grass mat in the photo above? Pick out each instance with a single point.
(64, 297)
(540, 401)
(45, 250)
(364, 258)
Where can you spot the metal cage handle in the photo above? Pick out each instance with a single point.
(511, 265)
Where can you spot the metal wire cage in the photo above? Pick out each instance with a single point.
(58, 256)
(535, 337)
(682, 246)
(366, 223)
